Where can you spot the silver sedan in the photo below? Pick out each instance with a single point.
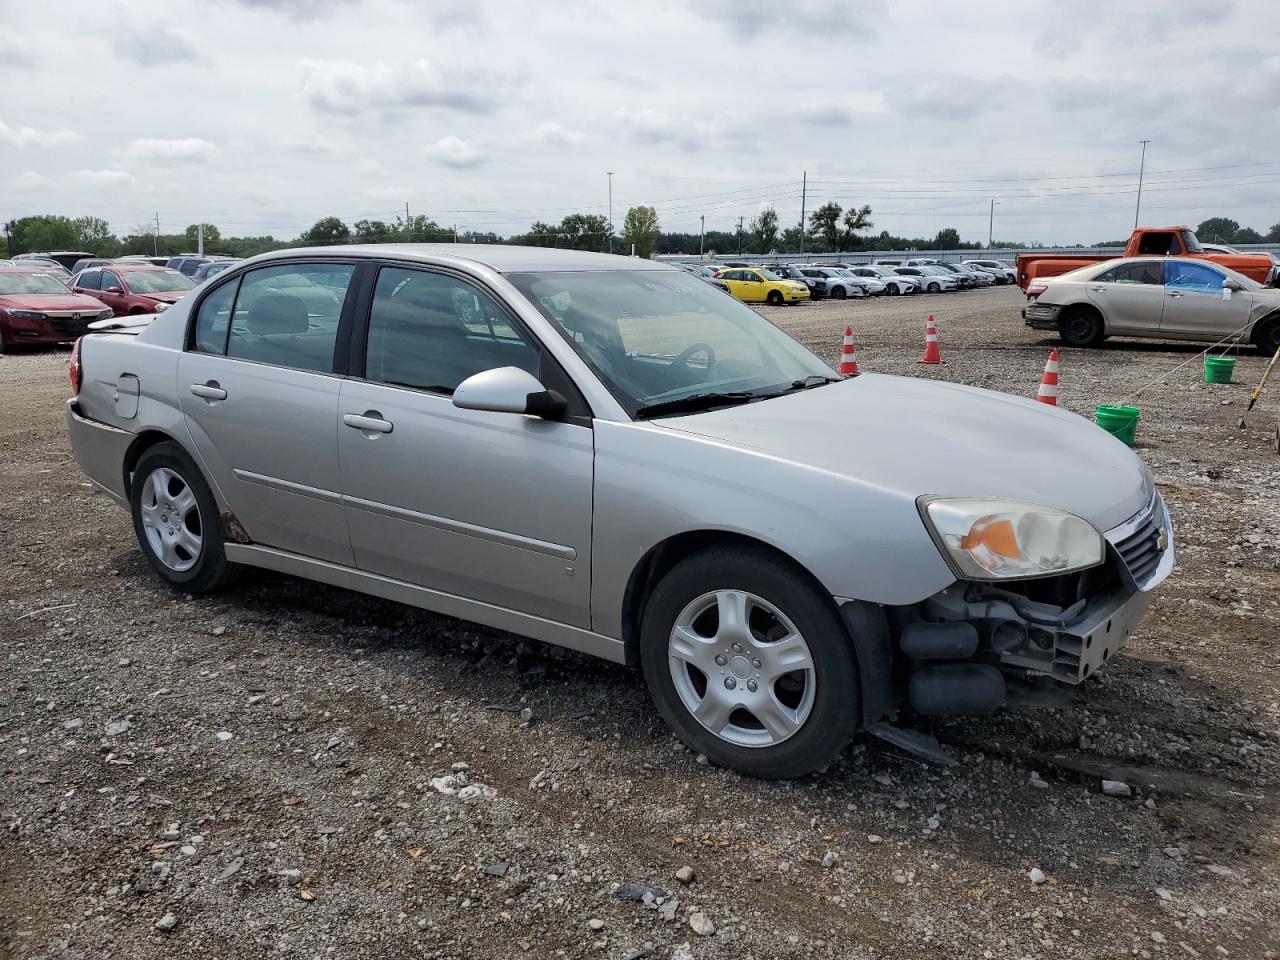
(606, 453)
(1170, 298)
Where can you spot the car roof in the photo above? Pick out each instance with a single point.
(134, 265)
(497, 257)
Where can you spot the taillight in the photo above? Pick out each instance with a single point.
(1035, 290)
(74, 370)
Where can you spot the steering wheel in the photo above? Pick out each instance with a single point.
(689, 352)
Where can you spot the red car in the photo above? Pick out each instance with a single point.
(36, 307)
(130, 288)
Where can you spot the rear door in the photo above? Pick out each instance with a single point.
(112, 292)
(259, 385)
(1130, 296)
(1197, 306)
(489, 506)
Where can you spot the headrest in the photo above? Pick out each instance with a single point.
(277, 313)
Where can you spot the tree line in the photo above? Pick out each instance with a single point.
(829, 228)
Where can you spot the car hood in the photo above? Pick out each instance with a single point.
(51, 301)
(915, 437)
(168, 296)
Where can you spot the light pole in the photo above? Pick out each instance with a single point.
(702, 234)
(991, 222)
(1142, 166)
(610, 172)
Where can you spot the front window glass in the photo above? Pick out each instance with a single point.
(20, 283)
(283, 317)
(1193, 277)
(430, 331)
(655, 339)
(157, 281)
(1192, 242)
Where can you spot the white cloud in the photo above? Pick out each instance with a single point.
(34, 137)
(30, 181)
(350, 89)
(653, 126)
(187, 150)
(145, 39)
(104, 178)
(557, 135)
(454, 152)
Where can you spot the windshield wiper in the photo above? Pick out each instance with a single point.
(815, 380)
(694, 403)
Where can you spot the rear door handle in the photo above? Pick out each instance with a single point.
(208, 391)
(1098, 289)
(370, 422)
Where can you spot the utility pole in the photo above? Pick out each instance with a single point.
(408, 234)
(155, 237)
(455, 233)
(804, 191)
(991, 221)
(702, 234)
(739, 236)
(609, 173)
(1142, 166)
(200, 239)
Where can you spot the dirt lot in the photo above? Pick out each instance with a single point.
(258, 766)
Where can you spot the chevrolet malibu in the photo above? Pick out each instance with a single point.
(607, 454)
(36, 307)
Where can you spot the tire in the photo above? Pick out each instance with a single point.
(813, 710)
(1081, 327)
(196, 563)
(893, 290)
(932, 288)
(774, 297)
(136, 311)
(1266, 335)
(839, 293)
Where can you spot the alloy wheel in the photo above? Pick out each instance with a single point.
(171, 519)
(741, 668)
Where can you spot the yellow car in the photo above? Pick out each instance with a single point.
(757, 285)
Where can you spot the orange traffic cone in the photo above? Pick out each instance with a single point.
(1048, 392)
(932, 353)
(848, 355)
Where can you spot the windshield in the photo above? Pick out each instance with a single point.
(156, 281)
(1191, 242)
(20, 283)
(769, 274)
(656, 337)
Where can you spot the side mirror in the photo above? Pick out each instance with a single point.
(509, 390)
(113, 290)
(1232, 284)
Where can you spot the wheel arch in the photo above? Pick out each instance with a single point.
(1084, 306)
(141, 443)
(1263, 324)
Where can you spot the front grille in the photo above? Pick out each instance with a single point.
(1141, 550)
(71, 328)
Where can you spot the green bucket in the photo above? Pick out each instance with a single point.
(1120, 422)
(1218, 369)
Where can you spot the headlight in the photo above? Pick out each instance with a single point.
(161, 307)
(106, 314)
(1009, 539)
(27, 314)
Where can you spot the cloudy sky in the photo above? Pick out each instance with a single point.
(263, 115)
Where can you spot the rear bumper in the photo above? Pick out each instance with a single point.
(100, 450)
(1040, 316)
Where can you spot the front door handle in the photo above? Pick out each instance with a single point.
(1098, 289)
(370, 422)
(208, 391)
(1172, 293)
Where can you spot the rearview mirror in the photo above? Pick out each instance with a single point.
(509, 390)
(1231, 284)
(112, 290)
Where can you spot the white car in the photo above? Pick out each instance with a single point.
(874, 286)
(838, 287)
(930, 278)
(894, 284)
(997, 268)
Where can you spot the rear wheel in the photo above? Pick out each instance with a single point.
(775, 297)
(1081, 327)
(749, 663)
(1266, 335)
(176, 521)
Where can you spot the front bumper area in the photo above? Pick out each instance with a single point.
(48, 329)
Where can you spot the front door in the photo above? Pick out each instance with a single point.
(260, 398)
(1197, 306)
(489, 506)
(1130, 296)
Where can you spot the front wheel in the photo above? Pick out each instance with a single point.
(176, 521)
(1266, 336)
(775, 298)
(1081, 327)
(750, 664)
(893, 289)
(839, 293)
(933, 288)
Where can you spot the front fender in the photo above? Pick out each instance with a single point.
(653, 483)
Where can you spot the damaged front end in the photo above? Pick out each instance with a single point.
(952, 652)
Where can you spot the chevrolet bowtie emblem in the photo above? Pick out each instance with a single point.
(1162, 539)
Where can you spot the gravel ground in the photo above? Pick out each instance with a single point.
(287, 769)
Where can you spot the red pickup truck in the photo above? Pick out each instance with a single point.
(1149, 242)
